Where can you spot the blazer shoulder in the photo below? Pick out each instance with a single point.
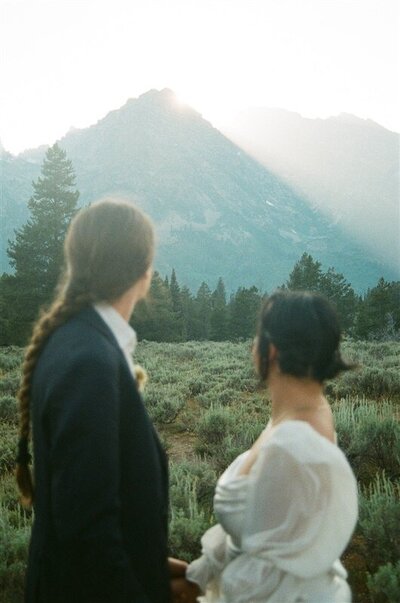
(83, 339)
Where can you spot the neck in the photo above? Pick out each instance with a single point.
(291, 395)
(125, 305)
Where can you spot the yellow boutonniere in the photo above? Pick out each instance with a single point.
(141, 377)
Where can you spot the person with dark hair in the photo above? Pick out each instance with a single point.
(288, 506)
(100, 492)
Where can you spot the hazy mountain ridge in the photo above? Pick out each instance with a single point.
(217, 211)
(346, 166)
(16, 175)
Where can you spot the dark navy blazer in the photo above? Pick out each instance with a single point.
(101, 485)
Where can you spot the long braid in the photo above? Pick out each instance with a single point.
(108, 248)
(65, 306)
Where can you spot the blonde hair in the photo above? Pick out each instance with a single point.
(109, 246)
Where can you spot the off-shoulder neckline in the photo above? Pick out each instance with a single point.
(305, 424)
(265, 443)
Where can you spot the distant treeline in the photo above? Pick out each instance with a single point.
(172, 312)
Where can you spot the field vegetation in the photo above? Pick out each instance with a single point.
(208, 407)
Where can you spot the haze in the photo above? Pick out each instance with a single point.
(67, 62)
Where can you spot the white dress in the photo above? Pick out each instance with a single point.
(283, 526)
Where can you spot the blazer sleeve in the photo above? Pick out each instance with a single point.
(85, 477)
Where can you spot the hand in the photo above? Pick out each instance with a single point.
(177, 567)
(184, 591)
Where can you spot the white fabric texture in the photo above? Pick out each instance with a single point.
(122, 330)
(283, 526)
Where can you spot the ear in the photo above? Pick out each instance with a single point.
(144, 283)
(148, 275)
(273, 353)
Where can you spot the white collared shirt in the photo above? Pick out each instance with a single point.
(124, 334)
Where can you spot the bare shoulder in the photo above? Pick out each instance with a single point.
(321, 421)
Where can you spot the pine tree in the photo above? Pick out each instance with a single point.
(188, 314)
(202, 310)
(306, 275)
(243, 312)
(154, 318)
(175, 292)
(335, 287)
(219, 313)
(36, 254)
(379, 312)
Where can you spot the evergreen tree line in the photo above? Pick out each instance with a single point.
(172, 312)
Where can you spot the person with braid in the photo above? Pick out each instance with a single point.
(286, 508)
(100, 491)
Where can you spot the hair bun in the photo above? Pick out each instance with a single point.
(334, 367)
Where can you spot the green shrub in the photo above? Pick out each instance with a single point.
(163, 402)
(379, 521)
(189, 518)
(10, 358)
(213, 426)
(10, 499)
(224, 432)
(8, 409)
(185, 534)
(10, 384)
(167, 410)
(8, 447)
(386, 582)
(192, 478)
(369, 434)
(14, 540)
(370, 381)
(198, 385)
(210, 389)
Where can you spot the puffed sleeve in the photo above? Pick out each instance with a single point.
(301, 511)
(204, 570)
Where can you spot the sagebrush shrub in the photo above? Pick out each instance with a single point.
(8, 447)
(384, 584)
(369, 434)
(379, 521)
(14, 540)
(8, 409)
(9, 384)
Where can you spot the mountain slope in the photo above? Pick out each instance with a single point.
(348, 167)
(217, 210)
(16, 175)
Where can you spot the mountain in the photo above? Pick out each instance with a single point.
(346, 166)
(217, 211)
(16, 175)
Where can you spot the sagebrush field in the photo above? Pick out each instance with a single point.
(208, 407)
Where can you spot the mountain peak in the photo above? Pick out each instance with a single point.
(165, 93)
(164, 99)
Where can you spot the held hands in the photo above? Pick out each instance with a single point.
(183, 591)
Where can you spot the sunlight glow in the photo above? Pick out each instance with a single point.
(70, 62)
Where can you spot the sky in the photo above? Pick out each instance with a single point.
(67, 63)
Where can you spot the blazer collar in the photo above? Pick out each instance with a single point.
(89, 315)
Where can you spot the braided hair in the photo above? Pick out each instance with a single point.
(108, 248)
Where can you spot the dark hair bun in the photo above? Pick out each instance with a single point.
(305, 329)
